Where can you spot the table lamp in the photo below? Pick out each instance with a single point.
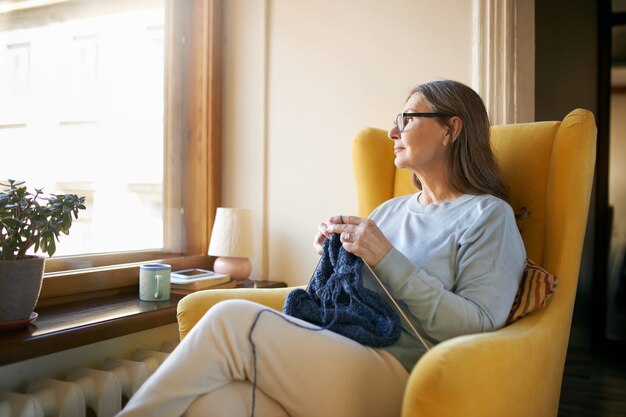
(231, 242)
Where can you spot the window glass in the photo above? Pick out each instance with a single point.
(81, 111)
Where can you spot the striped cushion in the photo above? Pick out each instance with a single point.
(535, 290)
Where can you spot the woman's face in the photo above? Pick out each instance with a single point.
(420, 146)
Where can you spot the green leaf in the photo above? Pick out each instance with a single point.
(51, 248)
(11, 222)
(34, 219)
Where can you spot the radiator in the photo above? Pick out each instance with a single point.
(85, 391)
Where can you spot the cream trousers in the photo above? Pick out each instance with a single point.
(300, 371)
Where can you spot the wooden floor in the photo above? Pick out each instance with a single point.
(594, 385)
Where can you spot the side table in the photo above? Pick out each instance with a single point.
(249, 283)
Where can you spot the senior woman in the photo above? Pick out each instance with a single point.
(451, 255)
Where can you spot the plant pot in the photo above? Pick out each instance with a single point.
(20, 284)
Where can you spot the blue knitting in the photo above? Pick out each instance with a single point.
(336, 300)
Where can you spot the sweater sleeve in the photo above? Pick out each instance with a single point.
(489, 262)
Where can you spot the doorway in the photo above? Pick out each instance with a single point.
(609, 322)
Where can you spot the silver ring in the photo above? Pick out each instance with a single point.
(341, 217)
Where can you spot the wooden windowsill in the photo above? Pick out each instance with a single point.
(71, 286)
(80, 323)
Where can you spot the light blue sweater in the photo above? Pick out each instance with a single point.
(454, 268)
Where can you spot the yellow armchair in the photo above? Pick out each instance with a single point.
(517, 370)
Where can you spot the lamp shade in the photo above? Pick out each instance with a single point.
(232, 233)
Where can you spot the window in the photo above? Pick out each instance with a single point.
(105, 99)
(85, 103)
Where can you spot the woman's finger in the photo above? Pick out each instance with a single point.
(335, 220)
(339, 228)
(344, 219)
(350, 224)
(352, 220)
(318, 243)
(324, 230)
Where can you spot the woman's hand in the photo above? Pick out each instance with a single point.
(359, 236)
(318, 240)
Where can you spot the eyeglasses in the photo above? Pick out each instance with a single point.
(403, 118)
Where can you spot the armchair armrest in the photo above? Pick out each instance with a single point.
(193, 306)
(513, 371)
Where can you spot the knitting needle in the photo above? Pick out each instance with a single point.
(397, 307)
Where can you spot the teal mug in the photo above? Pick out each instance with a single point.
(154, 282)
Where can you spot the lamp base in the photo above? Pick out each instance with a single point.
(238, 268)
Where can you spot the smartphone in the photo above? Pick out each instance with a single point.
(192, 273)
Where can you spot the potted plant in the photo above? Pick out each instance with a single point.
(29, 220)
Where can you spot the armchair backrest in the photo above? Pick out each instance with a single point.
(548, 168)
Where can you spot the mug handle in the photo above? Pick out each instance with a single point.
(158, 286)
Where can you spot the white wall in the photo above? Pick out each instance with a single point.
(300, 78)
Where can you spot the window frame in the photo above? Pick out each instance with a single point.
(192, 130)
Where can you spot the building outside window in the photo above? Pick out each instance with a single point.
(82, 111)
